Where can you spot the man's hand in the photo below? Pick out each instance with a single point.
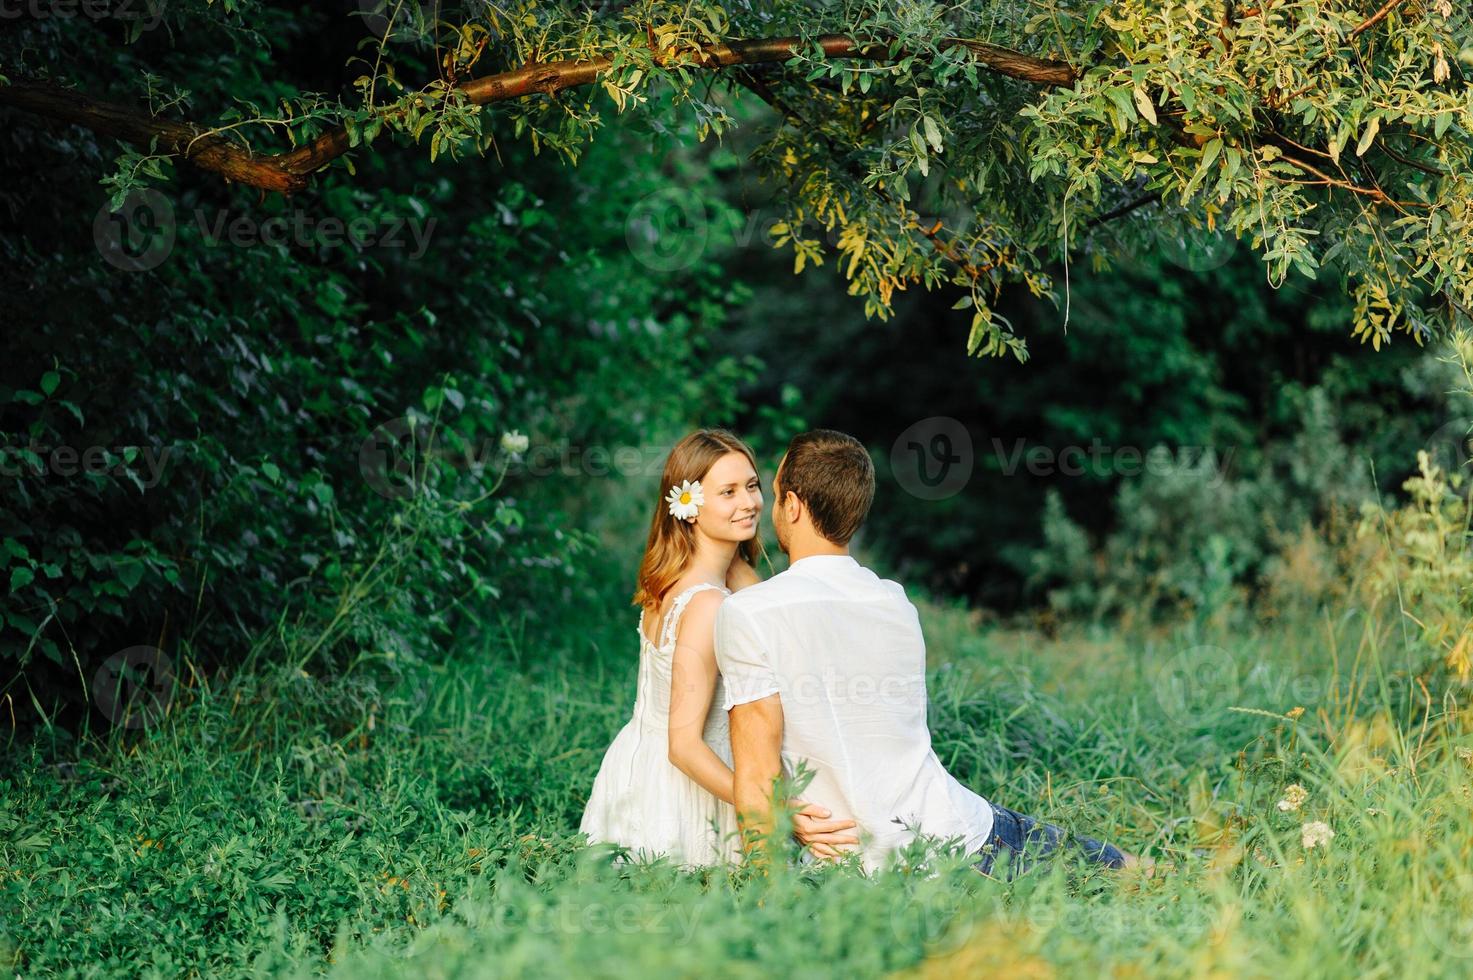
(821, 835)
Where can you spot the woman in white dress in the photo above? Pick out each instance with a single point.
(665, 785)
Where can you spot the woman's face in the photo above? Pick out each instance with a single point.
(733, 499)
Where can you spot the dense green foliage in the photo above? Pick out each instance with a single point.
(1326, 135)
(255, 404)
(244, 381)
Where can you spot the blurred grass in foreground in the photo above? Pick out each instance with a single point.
(417, 820)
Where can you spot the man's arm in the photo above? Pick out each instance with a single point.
(756, 750)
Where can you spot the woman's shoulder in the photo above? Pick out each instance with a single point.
(701, 602)
(703, 595)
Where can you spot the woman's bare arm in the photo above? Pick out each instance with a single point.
(692, 686)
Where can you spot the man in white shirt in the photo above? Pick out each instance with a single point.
(825, 664)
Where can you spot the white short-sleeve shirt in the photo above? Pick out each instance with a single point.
(843, 649)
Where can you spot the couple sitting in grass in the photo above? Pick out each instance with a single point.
(820, 668)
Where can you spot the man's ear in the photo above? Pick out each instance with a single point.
(792, 507)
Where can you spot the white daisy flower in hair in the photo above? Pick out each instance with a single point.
(685, 500)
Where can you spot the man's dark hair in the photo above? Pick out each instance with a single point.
(834, 477)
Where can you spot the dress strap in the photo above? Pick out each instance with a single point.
(672, 618)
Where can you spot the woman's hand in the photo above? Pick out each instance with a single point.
(824, 837)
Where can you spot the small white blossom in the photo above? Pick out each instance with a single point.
(686, 499)
(1315, 833)
(1294, 797)
(515, 442)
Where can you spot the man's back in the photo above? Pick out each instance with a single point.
(844, 651)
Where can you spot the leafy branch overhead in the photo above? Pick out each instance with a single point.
(970, 144)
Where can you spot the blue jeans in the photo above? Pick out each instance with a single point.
(1023, 842)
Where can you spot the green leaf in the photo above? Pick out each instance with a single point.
(20, 578)
(1144, 106)
(272, 472)
(49, 382)
(1367, 137)
(933, 134)
(1209, 156)
(130, 574)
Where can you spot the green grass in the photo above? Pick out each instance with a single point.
(396, 819)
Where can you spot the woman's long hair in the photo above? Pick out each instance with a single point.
(672, 542)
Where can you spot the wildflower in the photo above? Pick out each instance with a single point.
(1440, 70)
(686, 499)
(1294, 797)
(1293, 713)
(1315, 833)
(515, 442)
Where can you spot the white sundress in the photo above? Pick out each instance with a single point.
(640, 799)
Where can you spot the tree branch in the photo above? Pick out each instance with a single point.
(289, 171)
(1123, 210)
(1377, 17)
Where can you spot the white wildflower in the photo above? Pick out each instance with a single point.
(1315, 833)
(515, 442)
(1294, 797)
